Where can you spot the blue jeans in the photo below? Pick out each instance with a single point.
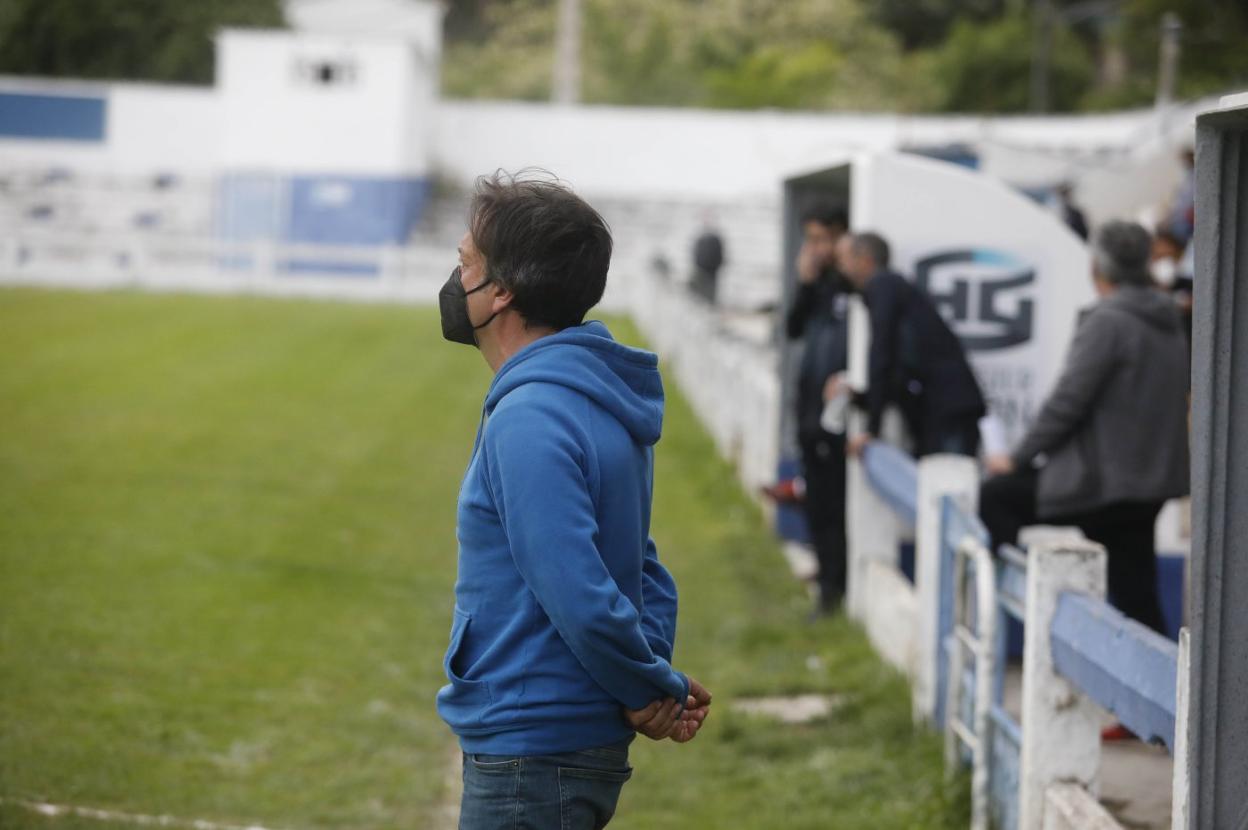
(568, 791)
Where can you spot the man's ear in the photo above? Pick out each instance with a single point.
(502, 299)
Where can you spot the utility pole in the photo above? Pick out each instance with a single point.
(1168, 61)
(567, 85)
(1041, 52)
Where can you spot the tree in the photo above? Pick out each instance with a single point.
(511, 56)
(926, 23)
(151, 40)
(1214, 39)
(804, 54)
(986, 67)
(909, 55)
(808, 54)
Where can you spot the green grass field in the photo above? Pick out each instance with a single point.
(226, 561)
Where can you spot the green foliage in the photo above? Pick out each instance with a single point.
(1214, 46)
(151, 40)
(513, 61)
(907, 55)
(896, 55)
(801, 54)
(987, 67)
(773, 76)
(638, 53)
(925, 23)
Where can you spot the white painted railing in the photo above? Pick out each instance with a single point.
(1081, 656)
(728, 371)
(973, 633)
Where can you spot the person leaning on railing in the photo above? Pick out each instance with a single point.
(916, 362)
(1109, 446)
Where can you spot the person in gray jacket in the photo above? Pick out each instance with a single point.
(1109, 446)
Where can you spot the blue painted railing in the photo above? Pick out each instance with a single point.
(894, 476)
(1125, 667)
(1007, 737)
(1121, 665)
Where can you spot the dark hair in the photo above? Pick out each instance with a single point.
(874, 246)
(828, 214)
(1121, 252)
(541, 242)
(1170, 238)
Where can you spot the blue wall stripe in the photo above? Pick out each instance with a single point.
(52, 117)
(320, 209)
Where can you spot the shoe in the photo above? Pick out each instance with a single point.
(786, 491)
(1118, 732)
(822, 612)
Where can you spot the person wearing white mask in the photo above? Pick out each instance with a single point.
(1169, 266)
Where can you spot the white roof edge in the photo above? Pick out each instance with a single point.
(1233, 102)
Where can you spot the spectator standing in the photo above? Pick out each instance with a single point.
(564, 621)
(708, 259)
(1072, 214)
(1109, 447)
(1167, 266)
(1181, 217)
(818, 317)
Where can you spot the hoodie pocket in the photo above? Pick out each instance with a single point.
(465, 704)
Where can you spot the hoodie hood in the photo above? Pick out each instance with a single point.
(1149, 305)
(623, 380)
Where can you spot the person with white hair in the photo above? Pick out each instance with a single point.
(1109, 447)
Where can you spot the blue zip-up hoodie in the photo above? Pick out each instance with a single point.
(562, 610)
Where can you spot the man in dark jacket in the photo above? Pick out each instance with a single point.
(1072, 215)
(1113, 433)
(916, 361)
(708, 258)
(818, 317)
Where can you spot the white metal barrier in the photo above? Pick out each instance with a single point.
(730, 376)
(1081, 656)
(973, 633)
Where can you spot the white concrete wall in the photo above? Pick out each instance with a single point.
(712, 154)
(171, 128)
(261, 116)
(149, 128)
(279, 119)
(418, 21)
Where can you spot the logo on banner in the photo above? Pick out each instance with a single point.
(985, 295)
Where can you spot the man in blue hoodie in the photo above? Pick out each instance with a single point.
(564, 618)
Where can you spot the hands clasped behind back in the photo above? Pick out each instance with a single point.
(664, 718)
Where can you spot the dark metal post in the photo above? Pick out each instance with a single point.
(1168, 59)
(567, 86)
(1041, 54)
(1218, 713)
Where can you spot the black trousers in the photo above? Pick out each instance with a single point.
(823, 465)
(1008, 503)
(955, 434)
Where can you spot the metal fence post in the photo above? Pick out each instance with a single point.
(1218, 723)
(1181, 793)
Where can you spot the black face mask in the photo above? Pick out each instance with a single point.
(457, 326)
